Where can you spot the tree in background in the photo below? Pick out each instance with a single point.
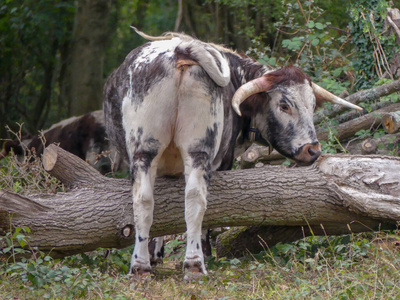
(82, 83)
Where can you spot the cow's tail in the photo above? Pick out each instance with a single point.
(165, 36)
(211, 60)
(207, 55)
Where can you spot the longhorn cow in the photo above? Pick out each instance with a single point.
(179, 105)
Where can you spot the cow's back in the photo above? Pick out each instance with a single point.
(166, 87)
(132, 80)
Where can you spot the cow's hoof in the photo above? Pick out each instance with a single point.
(140, 271)
(193, 274)
(156, 262)
(194, 269)
(147, 276)
(139, 274)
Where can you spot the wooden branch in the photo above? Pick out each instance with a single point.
(393, 17)
(257, 153)
(97, 211)
(353, 114)
(348, 129)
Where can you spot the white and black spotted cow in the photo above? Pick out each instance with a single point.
(179, 105)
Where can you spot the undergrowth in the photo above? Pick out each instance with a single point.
(24, 174)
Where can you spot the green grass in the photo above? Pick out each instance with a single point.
(363, 266)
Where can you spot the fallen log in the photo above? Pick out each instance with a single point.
(350, 115)
(389, 144)
(96, 211)
(257, 153)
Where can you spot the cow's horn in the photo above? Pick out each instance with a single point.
(250, 88)
(327, 96)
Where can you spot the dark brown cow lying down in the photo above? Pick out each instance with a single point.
(83, 136)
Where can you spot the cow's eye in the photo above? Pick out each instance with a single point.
(284, 107)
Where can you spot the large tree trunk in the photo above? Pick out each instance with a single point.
(97, 211)
(82, 86)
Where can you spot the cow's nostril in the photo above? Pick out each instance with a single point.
(314, 152)
(308, 154)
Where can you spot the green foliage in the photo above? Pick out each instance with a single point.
(310, 41)
(31, 32)
(370, 133)
(15, 242)
(104, 260)
(332, 144)
(173, 249)
(337, 250)
(47, 278)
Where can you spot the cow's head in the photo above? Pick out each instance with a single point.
(281, 104)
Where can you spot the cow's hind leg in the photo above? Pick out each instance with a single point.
(197, 172)
(156, 249)
(143, 169)
(198, 135)
(206, 243)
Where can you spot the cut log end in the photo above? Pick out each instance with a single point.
(391, 122)
(49, 158)
(369, 146)
(127, 230)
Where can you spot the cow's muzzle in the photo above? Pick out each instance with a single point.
(308, 153)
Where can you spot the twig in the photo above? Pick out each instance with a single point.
(396, 29)
(302, 11)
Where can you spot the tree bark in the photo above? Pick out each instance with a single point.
(97, 211)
